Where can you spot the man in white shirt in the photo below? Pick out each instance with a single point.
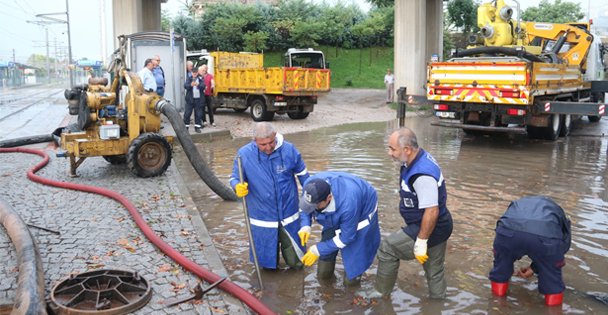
(389, 81)
(146, 76)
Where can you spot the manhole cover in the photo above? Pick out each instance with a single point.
(101, 292)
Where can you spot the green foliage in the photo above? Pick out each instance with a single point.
(448, 43)
(462, 14)
(556, 12)
(290, 23)
(255, 41)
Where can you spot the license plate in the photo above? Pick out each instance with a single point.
(446, 114)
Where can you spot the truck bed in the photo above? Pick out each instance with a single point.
(274, 80)
(510, 83)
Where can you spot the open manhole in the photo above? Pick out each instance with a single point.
(101, 292)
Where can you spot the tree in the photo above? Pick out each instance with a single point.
(462, 14)
(255, 41)
(382, 3)
(306, 33)
(557, 12)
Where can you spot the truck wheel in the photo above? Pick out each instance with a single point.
(594, 118)
(258, 111)
(553, 130)
(298, 115)
(566, 124)
(116, 159)
(149, 155)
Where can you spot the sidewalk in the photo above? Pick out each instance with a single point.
(98, 233)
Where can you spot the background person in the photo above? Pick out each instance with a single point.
(209, 87)
(347, 208)
(423, 207)
(538, 227)
(159, 76)
(194, 86)
(389, 82)
(270, 165)
(146, 76)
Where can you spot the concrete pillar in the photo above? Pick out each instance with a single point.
(134, 16)
(434, 26)
(418, 34)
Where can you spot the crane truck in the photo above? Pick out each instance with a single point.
(242, 81)
(526, 77)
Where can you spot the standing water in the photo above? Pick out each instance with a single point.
(483, 174)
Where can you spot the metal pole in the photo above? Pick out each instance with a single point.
(402, 105)
(48, 62)
(67, 14)
(255, 255)
(172, 43)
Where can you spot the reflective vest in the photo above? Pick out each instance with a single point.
(423, 164)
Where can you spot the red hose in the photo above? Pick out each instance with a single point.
(228, 286)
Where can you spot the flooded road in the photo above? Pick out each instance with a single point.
(483, 174)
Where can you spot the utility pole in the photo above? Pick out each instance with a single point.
(48, 61)
(67, 14)
(67, 21)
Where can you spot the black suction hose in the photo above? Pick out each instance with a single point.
(30, 281)
(195, 158)
(17, 142)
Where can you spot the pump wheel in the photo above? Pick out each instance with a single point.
(552, 131)
(566, 125)
(259, 112)
(149, 155)
(116, 159)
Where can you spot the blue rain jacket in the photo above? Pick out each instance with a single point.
(537, 215)
(354, 215)
(423, 164)
(273, 195)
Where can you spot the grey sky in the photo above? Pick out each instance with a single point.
(27, 39)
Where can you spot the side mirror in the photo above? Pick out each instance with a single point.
(327, 65)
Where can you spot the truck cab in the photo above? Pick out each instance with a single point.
(304, 58)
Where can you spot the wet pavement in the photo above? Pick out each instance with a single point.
(483, 174)
(94, 232)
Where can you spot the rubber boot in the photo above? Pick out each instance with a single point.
(554, 299)
(325, 269)
(351, 283)
(382, 288)
(500, 288)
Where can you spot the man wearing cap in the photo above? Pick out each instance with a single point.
(429, 222)
(270, 165)
(347, 208)
(538, 227)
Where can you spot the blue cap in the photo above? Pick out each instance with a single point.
(315, 191)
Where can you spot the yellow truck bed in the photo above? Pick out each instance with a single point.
(512, 83)
(274, 80)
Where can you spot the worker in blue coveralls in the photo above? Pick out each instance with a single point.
(538, 227)
(347, 208)
(423, 207)
(270, 165)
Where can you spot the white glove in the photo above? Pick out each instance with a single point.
(420, 250)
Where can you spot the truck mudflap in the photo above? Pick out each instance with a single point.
(458, 124)
(575, 108)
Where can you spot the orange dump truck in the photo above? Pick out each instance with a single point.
(242, 81)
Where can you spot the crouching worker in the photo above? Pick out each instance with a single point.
(347, 208)
(539, 228)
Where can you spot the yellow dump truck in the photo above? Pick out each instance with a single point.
(242, 81)
(526, 77)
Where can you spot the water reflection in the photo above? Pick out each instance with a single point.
(483, 175)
